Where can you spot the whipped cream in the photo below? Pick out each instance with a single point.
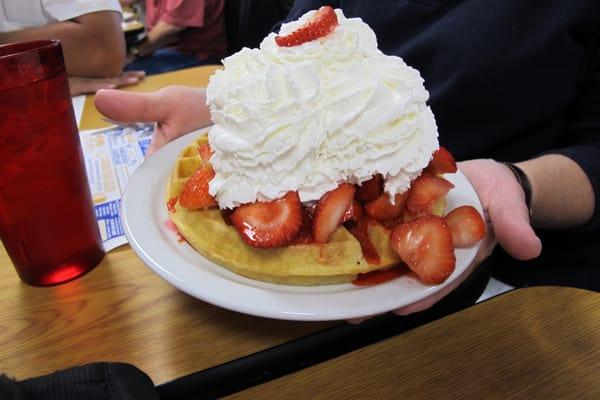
(307, 118)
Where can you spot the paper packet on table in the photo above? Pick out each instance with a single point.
(111, 156)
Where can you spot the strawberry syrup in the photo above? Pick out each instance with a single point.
(360, 231)
(171, 204)
(381, 276)
(169, 224)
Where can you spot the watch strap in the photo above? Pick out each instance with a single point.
(523, 181)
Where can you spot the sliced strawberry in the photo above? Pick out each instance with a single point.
(466, 225)
(305, 234)
(330, 211)
(205, 152)
(370, 190)
(320, 25)
(382, 209)
(424, 191)
(354, 212)
(271, 223)
(442, 163)
(194, 193)
(425, 245)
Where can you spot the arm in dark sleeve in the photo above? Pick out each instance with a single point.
(9, 389)
(583, 131)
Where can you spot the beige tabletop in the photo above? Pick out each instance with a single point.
(541, 343)
(121, 311)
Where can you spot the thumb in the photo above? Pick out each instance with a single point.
(130, 106)
(510, 220)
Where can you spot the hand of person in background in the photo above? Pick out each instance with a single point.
(81, 85)
(176, 110)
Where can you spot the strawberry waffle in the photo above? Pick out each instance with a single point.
(322, 165)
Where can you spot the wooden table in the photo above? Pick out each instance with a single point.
(530, 342)
(538, 343)
(121, 311)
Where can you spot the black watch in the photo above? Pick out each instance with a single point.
(524, 182)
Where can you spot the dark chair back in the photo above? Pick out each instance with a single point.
(249, 21)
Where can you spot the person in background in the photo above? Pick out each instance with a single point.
(82, 85)
(508, 82)
(90, 33)
(180, 34)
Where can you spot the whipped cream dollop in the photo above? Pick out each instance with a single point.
(309, 117)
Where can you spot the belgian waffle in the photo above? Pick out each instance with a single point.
(188, 161)
(338, 261)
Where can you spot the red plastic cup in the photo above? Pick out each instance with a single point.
(47, 222)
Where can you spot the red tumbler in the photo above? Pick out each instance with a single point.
(47, 222)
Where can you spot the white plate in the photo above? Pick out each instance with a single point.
(145, 214)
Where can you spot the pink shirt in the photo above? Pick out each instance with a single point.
(204, 21)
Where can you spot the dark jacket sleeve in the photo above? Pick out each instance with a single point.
(583, 134)
(95, 381)
(9, 389)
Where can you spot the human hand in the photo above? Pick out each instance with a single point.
(506, 216)
(81, 85)
(507, 220)
(504, 207)
(176, 110)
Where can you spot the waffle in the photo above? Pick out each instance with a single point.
(187, 163)
(338, 261)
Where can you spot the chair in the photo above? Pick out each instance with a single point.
(248, 21)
